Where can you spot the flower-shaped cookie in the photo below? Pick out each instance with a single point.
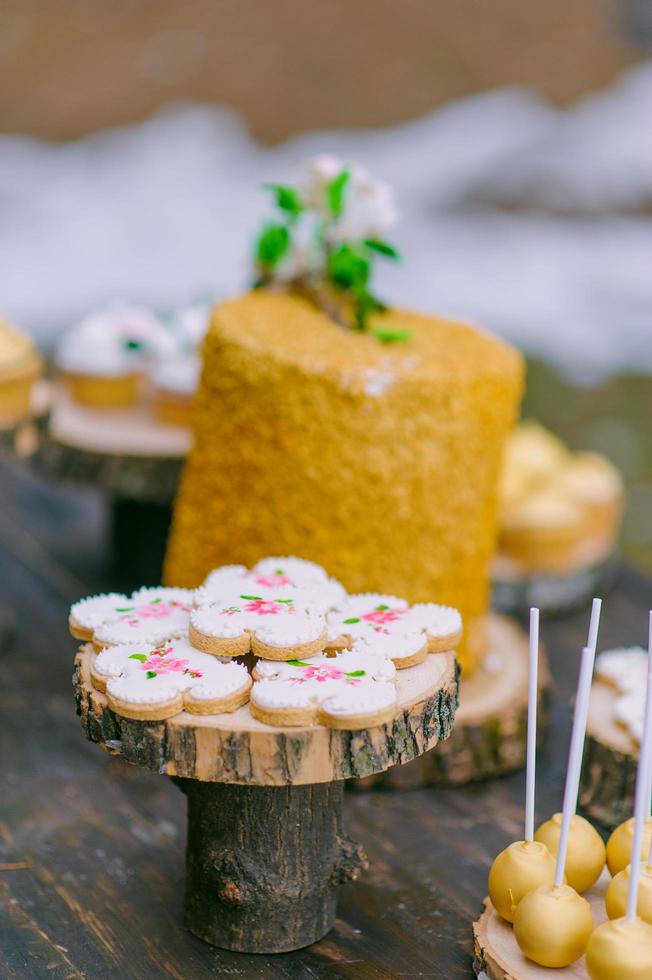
(350, 690)
(274, 578)
(391, 627)
(276, 629)
(149, 615)
(152, 683)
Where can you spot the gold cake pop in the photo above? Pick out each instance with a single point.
(552, 925)
(525, 864)
(620, 949)
(517, 870)
(616, 897)
(586, 850)
(619, 845)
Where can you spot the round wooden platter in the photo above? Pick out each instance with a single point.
(236, 748)
(490, 725)
(610, 761)
(515, 589)
(126, 452)
(496, 953)
(266, 850)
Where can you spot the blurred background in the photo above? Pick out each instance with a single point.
(134, 135)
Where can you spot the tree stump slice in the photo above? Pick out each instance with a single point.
(496, 952)
(265, 849)
(237, 748)
(491, 723)
(515, 590)
(610, 760)
(125, 452)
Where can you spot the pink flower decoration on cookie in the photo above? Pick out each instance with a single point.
(321, 674)
(381, 615)
(265, 607)
(159, 610)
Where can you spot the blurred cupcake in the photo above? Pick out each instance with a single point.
(20, 366)
(175, 378)
(594, 483)
(559, 511)
(104, 358)
(543, 531)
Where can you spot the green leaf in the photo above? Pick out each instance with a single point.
(155, 602)
(356, 673)
(335, 192)
(287, 602)
(287, 198)
(297, 663)
(252, 598)
(132, 344)
(387, 335)
(383, 248)
(354, 619)
(381, 608)
(272, 245)
(138, 656)
(150, 674)
(348, 268)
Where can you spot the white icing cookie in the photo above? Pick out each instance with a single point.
(149, 619)
(274, 578)
(352, 690)
(372, 617)
(403, 649)
(154, 683)
(273, 628)
(87, 614)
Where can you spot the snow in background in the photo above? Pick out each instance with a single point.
(533, 221)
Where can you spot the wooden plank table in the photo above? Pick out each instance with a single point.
(92, 849)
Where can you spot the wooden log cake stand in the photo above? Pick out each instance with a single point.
(132, 458)
(497, 956)
(126, 452)
(265, 850)
(610, 761)
(491, 722)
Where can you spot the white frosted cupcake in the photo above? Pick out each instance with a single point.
(103, 358)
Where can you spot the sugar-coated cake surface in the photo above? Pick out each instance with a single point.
(378, 461)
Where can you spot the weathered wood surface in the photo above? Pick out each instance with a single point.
(497, 953)
(610, 761)
(94, 848)
(490, 725)
(236, 748)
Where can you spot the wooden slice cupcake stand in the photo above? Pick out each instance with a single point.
(490, 725)
(265, 849)
(497, 956)
(610, 761)
(129, 455)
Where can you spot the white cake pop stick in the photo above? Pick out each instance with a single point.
(575, 756)
(532, 697)
(641, 805)
(594, 624)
